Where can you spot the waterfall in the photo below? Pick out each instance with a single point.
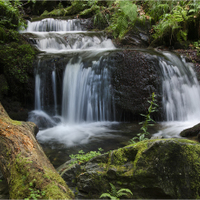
(86, 93)
(86, 102)
(73, 91)
(54, 91)
(51, 24)
(37, 93)
(181, 90)
(181, 95)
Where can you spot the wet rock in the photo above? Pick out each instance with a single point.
(135, 77)
(138, 36)
(158, 169)
(194, 131)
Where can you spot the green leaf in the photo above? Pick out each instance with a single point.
(106, 195)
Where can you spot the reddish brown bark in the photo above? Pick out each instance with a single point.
(24, 164)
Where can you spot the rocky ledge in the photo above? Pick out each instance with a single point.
(158, 169)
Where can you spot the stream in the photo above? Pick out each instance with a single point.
(74, 102)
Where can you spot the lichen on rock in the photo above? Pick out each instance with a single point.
(159, 169)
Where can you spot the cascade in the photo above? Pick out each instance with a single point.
(75, 64)
(181, 90)
(181, 96)
(73, 91)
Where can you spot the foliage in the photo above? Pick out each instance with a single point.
(17, 60)
(171, 18)
(152, 108)
(124, 17)
(11, 16)
(34, 193)
(84, 157)
(114, 194)
(197, 46)
(172, 23)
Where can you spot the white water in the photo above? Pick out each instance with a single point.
(37, 92)
(86, 99)
(54, 91)
(86, 95)
(60, 36)
(181, 96)
(50, 24)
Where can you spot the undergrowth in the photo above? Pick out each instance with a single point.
(84, 157)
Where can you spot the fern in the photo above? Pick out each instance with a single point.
(172, 18)
(125, 16)
(172, 23)
(114, 194)
(152, 108)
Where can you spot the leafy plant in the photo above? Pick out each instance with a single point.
(123, 17)
(84, 157)
(152, 108)
(114, 194)
(197, 46)
(34, 193)
(171, 18)
(11, 16)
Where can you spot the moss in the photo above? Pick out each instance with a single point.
(118, 157)
(18, 184)
(54, 13)
(76, 7)
(23, 173)
(53, 189)
(193, 158)
(89, 12)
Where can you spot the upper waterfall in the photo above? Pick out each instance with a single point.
(58, 36)
(50, 24)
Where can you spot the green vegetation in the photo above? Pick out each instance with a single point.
(170, 20)
(17, 55)
(84, 157)
(148, 120)
(123, 18)
(115, 195)
(197, 47)
(35, 194)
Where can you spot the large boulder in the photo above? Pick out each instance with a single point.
(136, 76)
(189, 132)
(158, 169)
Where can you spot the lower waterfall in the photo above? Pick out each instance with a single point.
(181, 96)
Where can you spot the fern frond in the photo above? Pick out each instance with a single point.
(113, 190)
(106, 195)
(124, 190)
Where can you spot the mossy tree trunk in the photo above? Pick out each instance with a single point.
(24, 165)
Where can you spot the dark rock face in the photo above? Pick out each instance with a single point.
(194, 131)
(138, 36)
(158, 169)
(135, 77)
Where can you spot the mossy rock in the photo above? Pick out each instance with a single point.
(158, 169)
(194, 131)
(89, 12)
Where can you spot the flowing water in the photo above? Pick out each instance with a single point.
(74, 102)
(181, 96)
